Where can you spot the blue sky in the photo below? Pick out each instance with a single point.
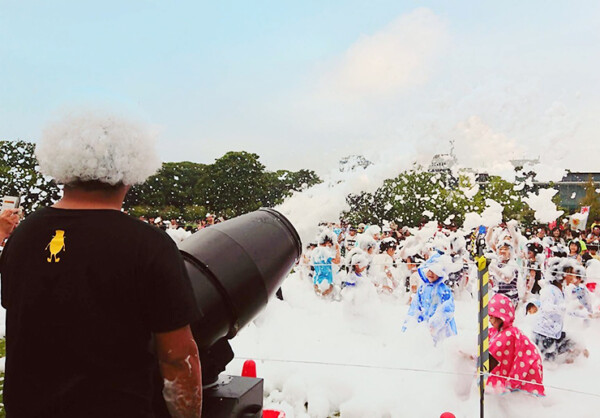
(305, 83)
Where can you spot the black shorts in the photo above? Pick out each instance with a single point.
(550, 347)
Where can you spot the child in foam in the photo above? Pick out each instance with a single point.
(357, 273)
(553, 342)
(519, 364)
(504, 274)
(534, 277)
(306, 268)
(364, 245)
(322, 259)
(374, 232)
(579, 299)
(433, 302)
(350, 239)
(383, 270)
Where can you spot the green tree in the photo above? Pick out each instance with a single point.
(281, 183)
(417, 196)
(361, 209)
(194, 213)
(504, 193)
(235, 184)
(20, 176)
(591, 199)
(412, 197)
(170, 186)
(143, 210)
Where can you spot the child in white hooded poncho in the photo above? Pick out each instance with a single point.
(548, 332)
(358, 271)
(383, 271)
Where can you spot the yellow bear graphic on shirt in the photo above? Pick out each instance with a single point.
(56, 245)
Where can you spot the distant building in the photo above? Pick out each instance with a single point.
(572, 188)
(352, 162)
(443, 163)
(519, 164)
(482, 178)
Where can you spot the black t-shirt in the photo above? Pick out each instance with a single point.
(84, 290)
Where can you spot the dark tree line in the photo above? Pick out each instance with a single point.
(20, 176)
(234, 184)
(417, 196)
(238, 183)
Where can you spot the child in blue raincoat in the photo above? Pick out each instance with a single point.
(433, 303)
(322, 259)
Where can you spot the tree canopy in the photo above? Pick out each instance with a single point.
(234, 184)
(20, 176)
(416, 196)
(238, 182)
(591, 199)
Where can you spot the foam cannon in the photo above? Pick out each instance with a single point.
(235, 267)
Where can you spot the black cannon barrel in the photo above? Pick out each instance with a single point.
(235, 267)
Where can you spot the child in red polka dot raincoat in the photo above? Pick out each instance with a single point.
(519, 364)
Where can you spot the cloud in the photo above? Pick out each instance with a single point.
(397, 57)
(479, 146)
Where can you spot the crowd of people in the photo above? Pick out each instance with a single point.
(173, 223)
(538, 277)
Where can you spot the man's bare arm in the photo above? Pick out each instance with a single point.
(180, 368)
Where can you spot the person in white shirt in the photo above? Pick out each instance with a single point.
(383, 268)
(548, 333)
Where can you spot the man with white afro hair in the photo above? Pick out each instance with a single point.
(95, 288)
(108, 150)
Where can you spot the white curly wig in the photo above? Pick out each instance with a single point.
(105, 148)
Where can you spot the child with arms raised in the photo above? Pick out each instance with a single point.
(504, 274)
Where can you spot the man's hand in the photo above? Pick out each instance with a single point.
(180, 368)
(9, 218)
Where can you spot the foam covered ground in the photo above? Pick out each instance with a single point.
(317, 339)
